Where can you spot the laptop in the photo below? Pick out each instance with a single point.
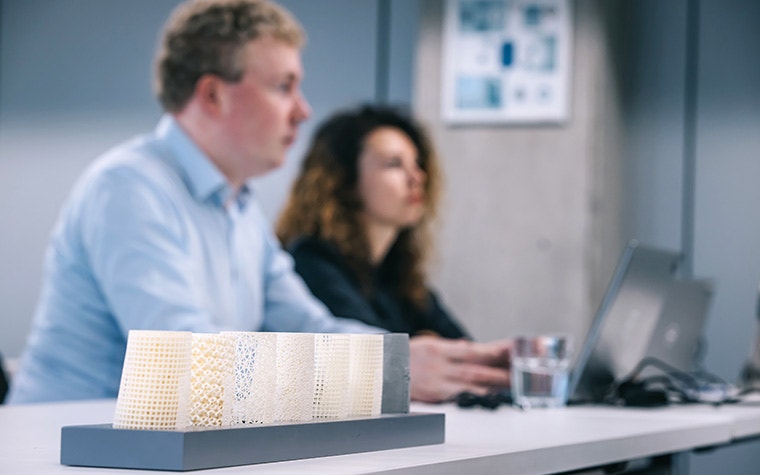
(645, 312)
(677, 339)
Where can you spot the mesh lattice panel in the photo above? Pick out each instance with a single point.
(365, 375)
(294, 394)
(155, 381)
(331, 355)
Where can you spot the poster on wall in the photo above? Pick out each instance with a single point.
(506, 61)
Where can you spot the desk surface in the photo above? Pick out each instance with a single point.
(744, 417)
(478, 440)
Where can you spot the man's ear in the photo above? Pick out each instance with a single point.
(211, 94)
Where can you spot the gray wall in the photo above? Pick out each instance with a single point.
(653, 66)
(75, 79)
(713, 131)
(693, 116)
(727, 224)
(726, 220)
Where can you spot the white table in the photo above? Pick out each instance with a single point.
(477, 440)
(744, 417)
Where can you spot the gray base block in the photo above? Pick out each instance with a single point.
(103, 446)
(395, 374)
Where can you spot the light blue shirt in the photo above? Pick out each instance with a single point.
(153, 238)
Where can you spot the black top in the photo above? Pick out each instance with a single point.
(330, 279)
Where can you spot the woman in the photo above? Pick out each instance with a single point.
(358, 217)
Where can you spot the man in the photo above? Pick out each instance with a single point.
(163, 233)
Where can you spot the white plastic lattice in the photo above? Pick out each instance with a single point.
(294, 394)
(155, 381)
(172, 380)
(365, 386)
(212, 377)
(331, 355)
(255, 373)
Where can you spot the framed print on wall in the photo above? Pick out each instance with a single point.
(506, 61)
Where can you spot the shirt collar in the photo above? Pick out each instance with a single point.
(201, 176)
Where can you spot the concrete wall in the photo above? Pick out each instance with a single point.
(531, 226)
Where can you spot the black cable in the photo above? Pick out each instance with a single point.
(673, 385)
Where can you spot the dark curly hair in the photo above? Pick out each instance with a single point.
(207, 37)
(324, 201)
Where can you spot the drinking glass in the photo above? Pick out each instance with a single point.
(540, 367)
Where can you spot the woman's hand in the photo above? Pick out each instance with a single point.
(441, 368)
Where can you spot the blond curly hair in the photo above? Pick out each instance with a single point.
(208, 37)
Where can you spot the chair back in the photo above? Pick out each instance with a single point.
(3, 380)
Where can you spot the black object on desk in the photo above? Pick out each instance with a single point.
(3, 381)
(492, 400)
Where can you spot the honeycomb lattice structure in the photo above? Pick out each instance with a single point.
(365, 385)
(331, 356)
(211, 378)
(155, 381)
(255, 370)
